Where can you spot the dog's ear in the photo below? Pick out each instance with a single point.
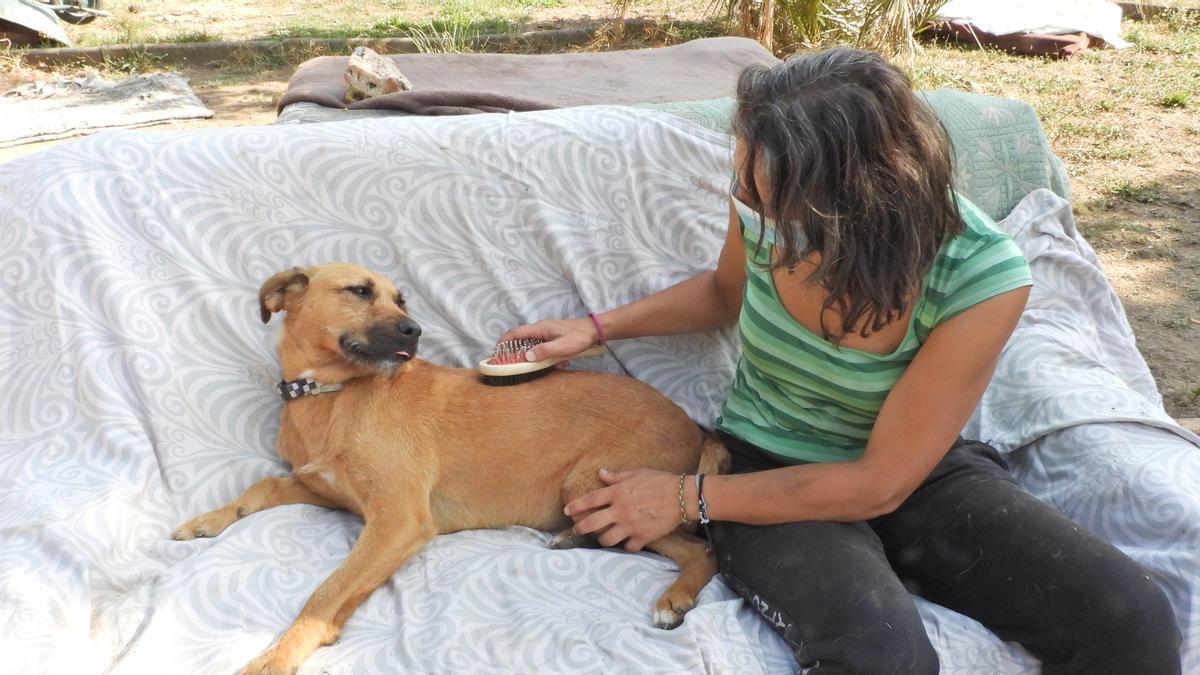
(275, 291)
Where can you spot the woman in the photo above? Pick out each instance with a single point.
(872, 304)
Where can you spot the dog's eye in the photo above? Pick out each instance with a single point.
(400, 301)
(360, 291)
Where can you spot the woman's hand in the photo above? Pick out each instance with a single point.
(637, 507)
(562, 339)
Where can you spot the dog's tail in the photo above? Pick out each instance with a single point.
(714, 458)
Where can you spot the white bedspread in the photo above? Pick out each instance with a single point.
(1098, 18)
(136, 385)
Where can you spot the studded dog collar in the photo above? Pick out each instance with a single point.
(304, 386)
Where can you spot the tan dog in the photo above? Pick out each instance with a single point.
(418, 450)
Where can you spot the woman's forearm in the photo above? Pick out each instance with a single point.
(834, 491)
(695, 304)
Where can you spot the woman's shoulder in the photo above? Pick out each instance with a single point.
(978, 228)
(978, 263)
(981, 242)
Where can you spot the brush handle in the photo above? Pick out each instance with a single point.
(522, 367)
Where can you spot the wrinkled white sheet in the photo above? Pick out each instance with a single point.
(137, 392)
(1097, 18)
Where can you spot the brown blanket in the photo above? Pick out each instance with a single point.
(1030, 44)
(456, 84)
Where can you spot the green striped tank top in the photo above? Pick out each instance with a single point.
(804, 399)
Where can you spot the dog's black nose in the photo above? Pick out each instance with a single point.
(409, 328)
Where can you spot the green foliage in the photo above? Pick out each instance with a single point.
(447, 41)
(886, 26)
(1174, 99)
(137, 59)
(193, 36)
(1142, 193)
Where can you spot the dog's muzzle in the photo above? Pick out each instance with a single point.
(385, 345)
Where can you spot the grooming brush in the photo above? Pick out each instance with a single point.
(506, 363)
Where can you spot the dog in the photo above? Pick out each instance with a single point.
(418, 450)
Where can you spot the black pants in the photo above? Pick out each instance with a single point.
(968, 539)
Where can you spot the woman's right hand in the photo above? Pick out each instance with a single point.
(562, 338)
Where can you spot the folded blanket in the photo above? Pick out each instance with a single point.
(455, 84)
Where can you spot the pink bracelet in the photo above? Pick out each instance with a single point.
(599, 329)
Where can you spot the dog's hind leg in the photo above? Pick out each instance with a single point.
(262, 495)
(696, 567)
(387, 542)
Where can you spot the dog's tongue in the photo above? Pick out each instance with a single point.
(404, 355)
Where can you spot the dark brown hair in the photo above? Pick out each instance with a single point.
(859, 167)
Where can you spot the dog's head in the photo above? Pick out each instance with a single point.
(343, 311)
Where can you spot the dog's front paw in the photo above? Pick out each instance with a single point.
(270, 662)
(667, 619)
(668, 613)
(208, 525)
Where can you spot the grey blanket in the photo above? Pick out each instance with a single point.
(456, 84)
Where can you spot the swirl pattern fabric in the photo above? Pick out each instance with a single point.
(137, 392)
(1073, 358)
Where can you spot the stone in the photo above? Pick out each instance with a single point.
(369, 74)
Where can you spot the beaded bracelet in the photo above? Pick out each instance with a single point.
(682, 506)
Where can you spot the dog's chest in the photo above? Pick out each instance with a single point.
(304, 433)
(322, 470)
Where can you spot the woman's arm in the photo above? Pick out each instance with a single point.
(919, 421)
(707, 300)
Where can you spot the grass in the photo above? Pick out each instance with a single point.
(1175, 99)
(129, 30)
(1117, 234)
(134, 61)
(192, 37)
(397, 27)
(1180, 322)
(443, 41)
(1175, 31)
(1142, 193)
(684, 31)
(279, 19)
(1158, 252)
(279, 56)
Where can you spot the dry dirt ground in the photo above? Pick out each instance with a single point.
(1127, 124)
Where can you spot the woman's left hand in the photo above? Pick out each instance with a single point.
(637, 508)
